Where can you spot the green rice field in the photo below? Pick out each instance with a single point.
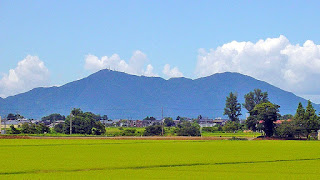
(158, 159)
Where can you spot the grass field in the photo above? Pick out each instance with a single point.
(162, 159)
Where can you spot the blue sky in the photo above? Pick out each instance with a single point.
(175, 34)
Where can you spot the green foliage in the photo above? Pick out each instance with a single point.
(29, 128)
(83, 123)
(267, 112)
(300, 112)
(149, 118)
(188, 129)
(212, 129)
(286, 117)
(233, 108)
(129, 132)
(251, 122)
(59, 128)
(254, 98)
(12, 116)
(13, 130)
(98, 128)
(41, 128)
(306, 120)
(53, 117)
(231, 126)
(311, 118)
(153, 131)
(286, 129)
(168, 122)
(251, 100)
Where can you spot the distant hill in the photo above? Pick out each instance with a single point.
(120, 95)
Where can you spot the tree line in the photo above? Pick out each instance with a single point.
(263, 114)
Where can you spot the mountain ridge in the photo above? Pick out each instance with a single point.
(121, 95)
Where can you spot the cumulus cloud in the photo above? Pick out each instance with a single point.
(275, 60)
(137, 64)
(171, 72)
(29, 73)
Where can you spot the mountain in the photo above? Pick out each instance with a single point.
(120, 95)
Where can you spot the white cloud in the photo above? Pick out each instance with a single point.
(29, 73)
(174, 72)
(136, 64)
(291, 67)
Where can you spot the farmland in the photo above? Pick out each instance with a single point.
(151, 159)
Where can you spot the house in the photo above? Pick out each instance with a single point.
(219, 121)
(206, 122)
(16, 123)
(55, 123)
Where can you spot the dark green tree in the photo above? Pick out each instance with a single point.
(254, 98)
(231, 126)
(168, 122)
(53, 117)
(149, 118)
(286, 117)
(82, 122)
(14, 130)
(300, 112)
(188, 129)
(311, 119)
(286, 129)
(251, 100)
(299, 121)
(153, 130)
(59, 128)
(267, 112)
(11, 116)
(29, 128)
(41, 128)
(252, 122)
(233, 108)
(98, 128)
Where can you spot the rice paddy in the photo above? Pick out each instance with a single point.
(157, 159)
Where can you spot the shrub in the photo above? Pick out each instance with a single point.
(98, 128)
(13, 130)
(129, 132)
(155, 130)
(188, 129)
(231, 126)
(286, 130)
(59, 128)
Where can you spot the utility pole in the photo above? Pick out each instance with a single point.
(0, 125)
(162, 112)
(5, 126)
(71, 116)
(162, 119)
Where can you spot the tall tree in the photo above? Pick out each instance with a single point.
(251, 100)
(254, 98)
(298, 120)
(233, 108)
(300, 112)
(83, 123)
(267, 112)
(311, 119)
(260, 97)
